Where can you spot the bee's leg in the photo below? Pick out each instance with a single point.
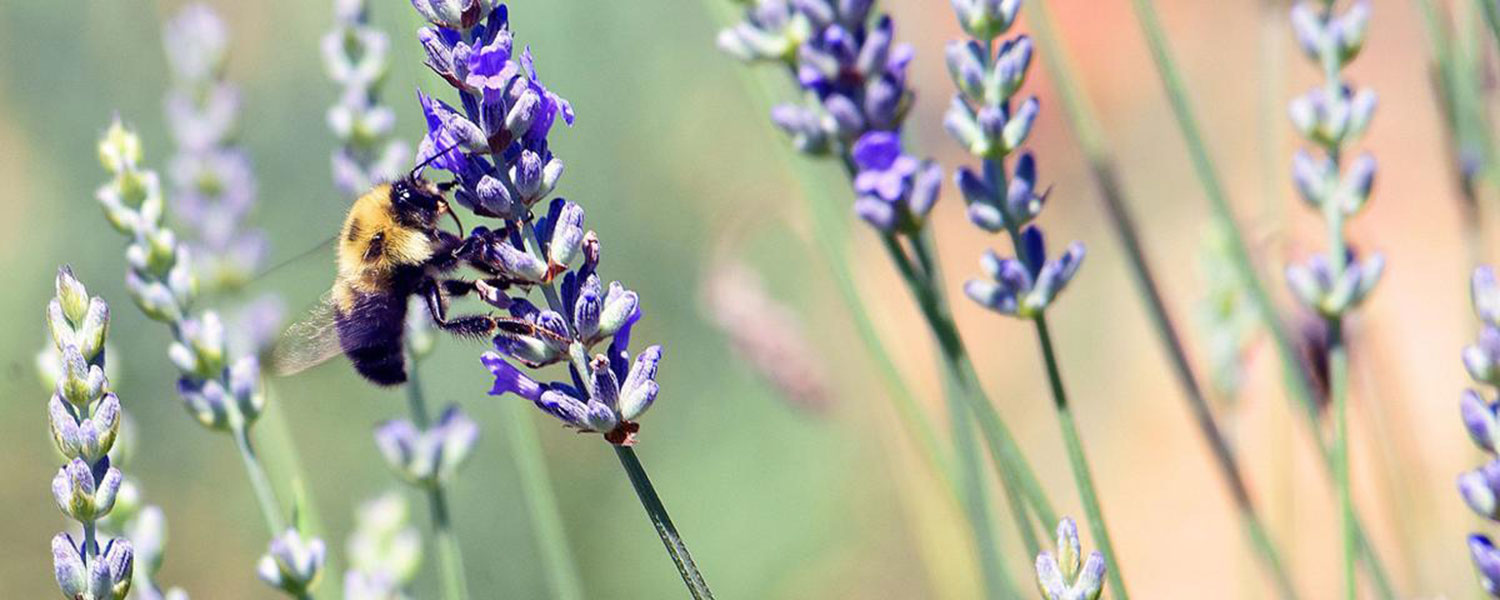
(473, 326)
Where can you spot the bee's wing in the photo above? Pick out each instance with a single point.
(307, 342)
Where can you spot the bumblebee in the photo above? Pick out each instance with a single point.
(390, 249)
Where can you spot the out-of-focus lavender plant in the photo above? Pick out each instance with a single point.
(1225, 317)
(356, 57)
(1480, 410)
(854, 77)
(384, 551)
(497, 149)
(220, 389)
(84, 417)
(989, 119)
(1066, 575)
(767, 335)
(213, 182)
(1331, 117)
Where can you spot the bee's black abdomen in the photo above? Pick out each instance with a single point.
(370, 334)
(380, 365)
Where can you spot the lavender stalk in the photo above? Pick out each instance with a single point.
(1090, 137)
(498, 152)
(856, 118)
(1334, 284)
(1480, 488)
(985, 119)
(1296, 379)
(221, 391)
(84, 416)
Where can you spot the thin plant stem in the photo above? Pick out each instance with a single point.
(1088, 133)
(1082, 477)
(546, 519)
(660, 520)
(1005, 452)
(1338, 377)
(450, 554)
(991, 561)
(1297, 380)
(265, 496)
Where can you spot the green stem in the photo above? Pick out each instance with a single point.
(450, 555)
(265, 496)
(1295, 377)
(1338, 378)
(997, 579)
(1087, 131)
(562, 571)
(1005, 453)
(1080, 466)
(676, 548)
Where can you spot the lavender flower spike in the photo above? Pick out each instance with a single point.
(494, 141)
(218, 383)
(1480, 488)
(384, 551)
(85, 419)
(356, 56)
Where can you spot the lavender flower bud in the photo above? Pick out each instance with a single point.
(966, 66)
(1011, 64)
(1487, 561)
(458, 15)
(1482, 359)
(1018, 127)
(107, 578)
(1064, 576)
(292, 564)
(1314, 285)
(621, 308)
(640, 388)
(565, 220)
(1480, 489)
(1023, 288)
(428, 458)
(805, 127)
(88, 439)
(986, 19)
(1484, 292)
(1481, 420)
(78, 493)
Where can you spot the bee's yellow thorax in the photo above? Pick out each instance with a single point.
(372, 243)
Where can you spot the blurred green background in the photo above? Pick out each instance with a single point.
(676, 164)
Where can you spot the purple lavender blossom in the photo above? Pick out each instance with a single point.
(356, 57)
(495, 143)
(895, 191)
(851, 68)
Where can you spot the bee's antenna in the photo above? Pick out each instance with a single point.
(413, 173)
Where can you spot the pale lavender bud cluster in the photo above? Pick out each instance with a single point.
(84, 417)
(853, 72)
(497, 149)
(213, 183)
(220, 387)
(427, 458)
(1066, 575)
(293, 563)
(987, 119)
(221, 391)
(356, 57)
(1480, 488)
(1331, 117)
(384, 551)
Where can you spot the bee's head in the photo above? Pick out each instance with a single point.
(418, 202)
